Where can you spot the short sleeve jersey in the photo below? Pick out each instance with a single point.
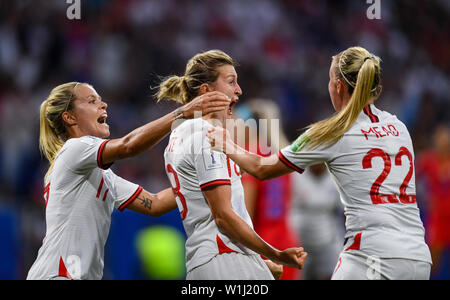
(80, 196)
(372, 166)
(191, 167)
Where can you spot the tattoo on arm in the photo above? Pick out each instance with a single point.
(146, 202)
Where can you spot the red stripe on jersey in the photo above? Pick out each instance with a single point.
(288, 163)
(222, 247)
(62, 270)
(99, 156)
(131, 199)
(100, 188)
(229, 166)
(104, 195)
(368, 111)
(46, 193)
(356, 242)
(338, 265)
(215, 183)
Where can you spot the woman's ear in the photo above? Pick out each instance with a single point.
(340, 86)
(69, 118)
(205, 88)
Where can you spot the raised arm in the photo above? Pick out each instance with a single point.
(154, 205)
(219, 200)
(258, 166)
(147, 136)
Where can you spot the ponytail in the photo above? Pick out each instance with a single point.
(200, 69)
(173, 88)
(53, 133)
(361, 71)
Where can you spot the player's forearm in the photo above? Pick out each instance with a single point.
(154, 205)
(147, 136)
(165, 202)
(236, 228)
(139, 140)
(254, 164)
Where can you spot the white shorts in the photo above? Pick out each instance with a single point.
(232, 266)
(359, 266)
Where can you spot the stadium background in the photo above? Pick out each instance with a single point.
(121, 47)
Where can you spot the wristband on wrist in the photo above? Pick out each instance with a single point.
(178, 114)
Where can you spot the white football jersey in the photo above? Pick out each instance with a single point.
(80, 196)
(372, 166)
(191, 166)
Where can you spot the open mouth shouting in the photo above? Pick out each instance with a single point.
(230, 108)
(102, 119)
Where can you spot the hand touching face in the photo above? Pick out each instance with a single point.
(227, 83)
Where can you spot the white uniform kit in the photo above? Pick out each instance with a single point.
(192, 166)
(80, 196)
(372, 166)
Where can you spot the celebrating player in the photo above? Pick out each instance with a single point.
(80, 189)
(370, 156)
(221, 242)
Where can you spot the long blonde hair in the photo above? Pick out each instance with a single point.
(361, 71)
(53, 133)
(200, 69)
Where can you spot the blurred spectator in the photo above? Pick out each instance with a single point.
(268, 202)
(318, 218)
(284, 49)
(433, 172)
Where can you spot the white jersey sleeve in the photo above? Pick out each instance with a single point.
(83, 154)
(290, 156)
(123, 192)
(211, 166)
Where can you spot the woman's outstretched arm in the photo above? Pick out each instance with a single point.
(150, 134)
(256, 165)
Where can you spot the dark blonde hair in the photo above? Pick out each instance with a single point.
(362, 73)
(53, 133)
(200, 69)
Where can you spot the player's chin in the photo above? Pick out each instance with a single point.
(104, 133)
(107, 134)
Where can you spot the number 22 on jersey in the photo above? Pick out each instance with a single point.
(375, 195)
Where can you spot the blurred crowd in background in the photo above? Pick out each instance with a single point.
(283, 48)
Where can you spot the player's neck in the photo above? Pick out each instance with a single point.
(215, 119)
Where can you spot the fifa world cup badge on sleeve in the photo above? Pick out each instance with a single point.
(211, 159)
(299, 143)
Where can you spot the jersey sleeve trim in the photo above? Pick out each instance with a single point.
(288, 163)
(131, 199)
(215, 183)
(99, 156)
